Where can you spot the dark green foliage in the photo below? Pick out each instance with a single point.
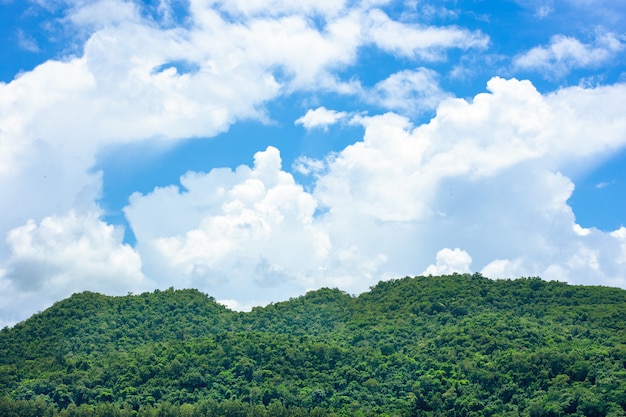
(459, 345)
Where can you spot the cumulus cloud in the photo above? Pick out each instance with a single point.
(320, 117)
(64, 254)
(122, 86)
(592, 258)
(247, 230)
(449, 261)
(483, 175)
(565, 53)
(487, 175)
(251, 232)
(69, 252)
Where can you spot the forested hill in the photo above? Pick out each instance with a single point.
(459, 345)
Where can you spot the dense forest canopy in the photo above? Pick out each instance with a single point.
(457, 345)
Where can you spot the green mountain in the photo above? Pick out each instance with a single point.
(458, 345)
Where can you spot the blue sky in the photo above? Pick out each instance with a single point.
(259, 149)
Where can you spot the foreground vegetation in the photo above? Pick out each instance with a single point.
(459, 345)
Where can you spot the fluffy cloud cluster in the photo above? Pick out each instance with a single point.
(65, 254)
(126, 85)
(71, 252)
(482, 186)
(245, 231)
(482, 177)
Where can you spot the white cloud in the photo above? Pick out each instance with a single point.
(235, 305)
(409, 92)
(488, 175)
(380, 175)
(483, 176)
(56, 117)
(449, 261)
(249, 233)
(565, 53)
(70, 252)
(121, 88)
(27, 42)
(103, 13)
(604, 184)
(248, 229)
(581, 231)
(281, 7)
(619, 233)
(412, 41)
(320, 117)
(60, 255)
(504, 268)
(306, 166)
(620, 236)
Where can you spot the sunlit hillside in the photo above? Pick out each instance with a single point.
(458, 345)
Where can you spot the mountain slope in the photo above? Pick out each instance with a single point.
(89, 321)
(451, 345)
